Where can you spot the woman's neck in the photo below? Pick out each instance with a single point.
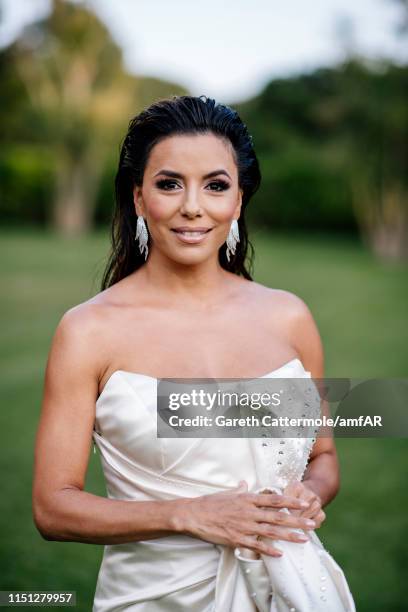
(188, 284)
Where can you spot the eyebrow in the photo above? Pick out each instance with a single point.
(174, 174)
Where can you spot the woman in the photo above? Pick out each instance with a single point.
(178, 303)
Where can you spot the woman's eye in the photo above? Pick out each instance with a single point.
(166, 184)
(170, 185)
(218, 186)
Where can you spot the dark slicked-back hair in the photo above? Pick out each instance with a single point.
(167, 117)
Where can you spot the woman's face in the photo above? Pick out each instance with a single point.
(190, 182)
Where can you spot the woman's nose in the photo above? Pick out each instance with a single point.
(190, 205)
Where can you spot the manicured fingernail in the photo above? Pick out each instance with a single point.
(310, 523)
(304, 504)
(303, 538)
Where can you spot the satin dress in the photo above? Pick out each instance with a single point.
(177, 572)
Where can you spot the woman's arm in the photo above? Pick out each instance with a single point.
(322, 473)
(62, 510)
(320, 482)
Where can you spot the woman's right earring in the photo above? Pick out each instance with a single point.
(142, 236)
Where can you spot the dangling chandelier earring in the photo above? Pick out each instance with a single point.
(233, 238)
(142, 236)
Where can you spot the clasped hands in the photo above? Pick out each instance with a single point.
(252, 521)
(313, 511)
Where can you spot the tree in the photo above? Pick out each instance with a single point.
(334, 142)
(376, 119)
(75, 81)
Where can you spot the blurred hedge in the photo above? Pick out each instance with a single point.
(26, 184)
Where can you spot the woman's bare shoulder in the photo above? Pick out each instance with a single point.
(85, 329)
(287, 311)
(89, 315)
(289, 304)
(84, 318)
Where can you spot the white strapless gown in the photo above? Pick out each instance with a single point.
(179, 572)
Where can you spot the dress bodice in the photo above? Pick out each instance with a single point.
(137, 464)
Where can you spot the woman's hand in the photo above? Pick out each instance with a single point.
(237, 518)
(302, 491)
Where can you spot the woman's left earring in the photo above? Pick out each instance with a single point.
(142, 236)
(233, 238)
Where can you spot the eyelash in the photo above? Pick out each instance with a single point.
(165, 182)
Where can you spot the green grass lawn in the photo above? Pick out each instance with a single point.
(360, 306)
